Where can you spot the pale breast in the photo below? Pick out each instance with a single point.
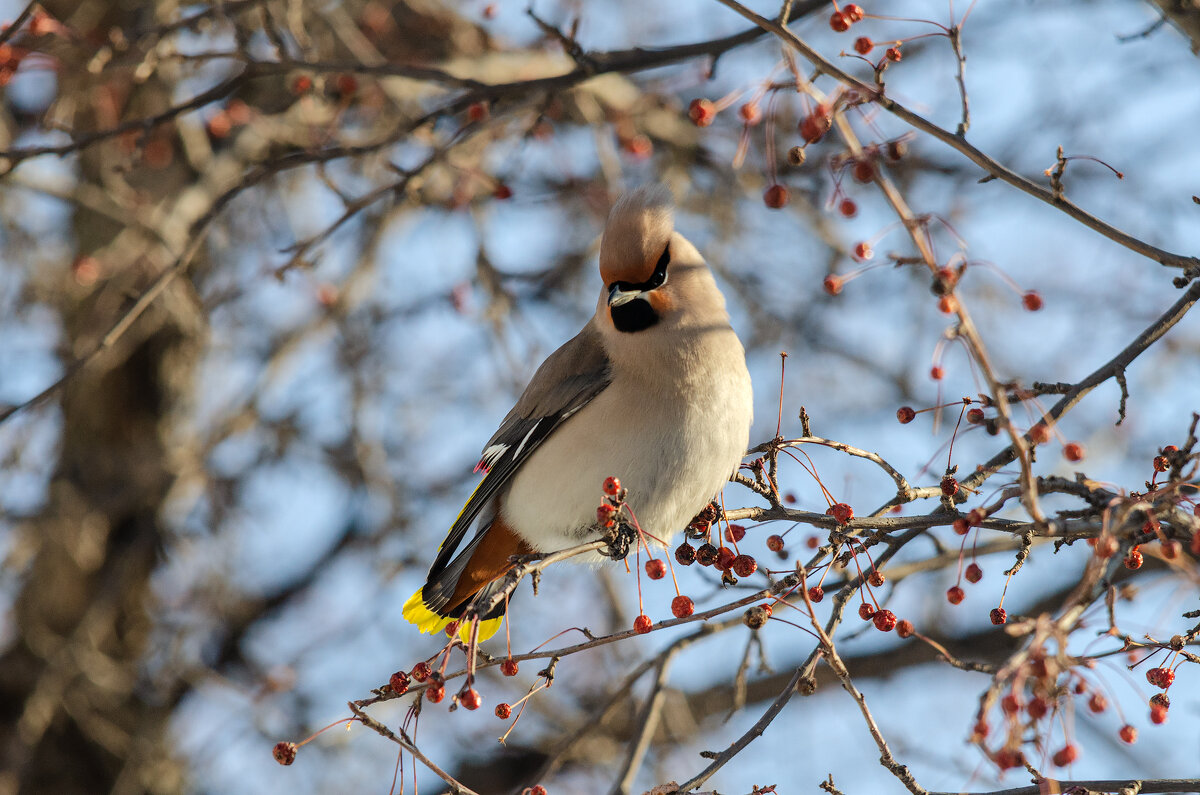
(673, 447)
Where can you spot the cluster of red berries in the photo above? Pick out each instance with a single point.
(723, 558)
(846, 16)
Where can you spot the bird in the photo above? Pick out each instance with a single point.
(653, 390)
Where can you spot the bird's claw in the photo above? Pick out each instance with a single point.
(620, 540)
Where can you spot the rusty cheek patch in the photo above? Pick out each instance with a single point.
(660, 302)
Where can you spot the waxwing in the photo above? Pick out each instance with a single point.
(654, 390)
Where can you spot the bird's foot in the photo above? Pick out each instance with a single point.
(620, 539)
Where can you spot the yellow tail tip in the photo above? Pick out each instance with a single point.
(427, 621)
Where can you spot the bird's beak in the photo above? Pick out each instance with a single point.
(617, 296)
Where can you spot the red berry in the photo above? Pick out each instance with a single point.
(812, 542)
(1073, 451)
(841, 511)
(656, 569)
(436, 692)
(470, 699)
(302, 84)
(1038, 707)
(1066, 755)
(863, 45)
(833, 284)
(937, 373)
(702, 112)
(814, 126)
(1161, 464)
(947, 305)
(1032, 301)
(954, 595)
(848, 208)
(1097, 703)
(1039, 433)
(973, 573)
(503, 711)
(885, 620)
(734, 533)
(744, 565)
(816, 593)
(864, 171)
(905, 414)
(998, 615)
(612, 486)
(604, 515)
(776, 197)
(537, 789)
(706, 555)
(866, 612)
(421, 671)
(477, 111)
(876, 578)
(399, 683)
(284, 753)
(840, 22)
(1128, 734)
(949, 485)
(685, 554)
(775, 543)
(1010, 704)
(451, 629)
(904, 628)
(975, 416)
(509, 667)
(642, 624)
(502, 192)
(750, 113)
(961, 526)
(682, 606)
(725, 558)
(1008, 758)
(854, 12)
(1134, 559)
(893, 54)
(862, 251)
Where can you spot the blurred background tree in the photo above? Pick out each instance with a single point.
(271, 271)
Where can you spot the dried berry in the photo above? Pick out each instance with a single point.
(816, 593)
(612, 486)
(656, 569)
(885, 620)
(421, 671)
(998, 615)
(685, 554)
(905, 414)
(876, 578)
(744, 565)
(642, 624)
(866, 612)
(775, 543)
(954, 595)
(756, 617)
(974, 573)
(509, 667)
(682, 606)
(706, 555)
(503, 711)
(904, 628)
(725, 558)
(1128, 734)
(734, 533)
(399, 683)
(1066, 755)
(284, 753)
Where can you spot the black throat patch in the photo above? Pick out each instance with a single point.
(637, 315)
